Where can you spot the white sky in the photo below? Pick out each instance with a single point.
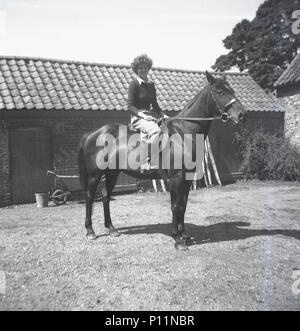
(183, 34)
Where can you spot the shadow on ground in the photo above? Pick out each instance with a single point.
(219, 232)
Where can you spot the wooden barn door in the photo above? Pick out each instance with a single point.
(30, 160)
(225, 151)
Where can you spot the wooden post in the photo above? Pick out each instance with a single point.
(162, 183)
(213, 163)
(154, 185)
(163, 186)
(194, 182)
(204, 173)
(207, 164)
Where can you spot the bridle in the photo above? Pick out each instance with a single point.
(224, 116)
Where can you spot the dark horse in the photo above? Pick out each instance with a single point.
(216, 100)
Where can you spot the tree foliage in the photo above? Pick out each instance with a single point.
(267, 156)
(264, 46)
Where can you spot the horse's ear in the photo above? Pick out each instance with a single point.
(211, 79)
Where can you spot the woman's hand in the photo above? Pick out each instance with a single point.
(145, 116)
(148, 118)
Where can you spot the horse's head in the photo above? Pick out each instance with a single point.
(225, 100)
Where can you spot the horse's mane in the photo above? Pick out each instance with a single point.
(192, 102)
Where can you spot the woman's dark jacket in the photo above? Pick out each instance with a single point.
(142, 97)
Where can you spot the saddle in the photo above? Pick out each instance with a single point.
(144, 138)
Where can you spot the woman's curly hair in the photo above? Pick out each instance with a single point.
(141, 59)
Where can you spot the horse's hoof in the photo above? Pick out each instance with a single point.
(181, 246)
(91, 236)
(114, 233)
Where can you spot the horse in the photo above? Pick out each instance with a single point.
(216, 101)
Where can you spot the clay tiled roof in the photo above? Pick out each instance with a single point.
(44, 84)
(291, 74)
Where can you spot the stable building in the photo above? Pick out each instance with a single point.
(47, 105)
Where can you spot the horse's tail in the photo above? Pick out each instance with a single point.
(83, 173)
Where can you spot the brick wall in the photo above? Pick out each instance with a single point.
(5, 196)
(65, 135)
(292, 118)
(289, 97)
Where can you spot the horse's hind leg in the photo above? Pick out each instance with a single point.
(111, 180)
(90, 197)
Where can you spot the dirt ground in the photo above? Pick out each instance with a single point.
(244, 255)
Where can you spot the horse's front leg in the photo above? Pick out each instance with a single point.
(186, 191)
(179, 194)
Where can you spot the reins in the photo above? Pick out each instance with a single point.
(195, 119)
(224, 117)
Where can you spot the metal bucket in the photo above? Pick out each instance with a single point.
(42, 200)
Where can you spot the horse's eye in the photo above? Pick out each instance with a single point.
(220, 91)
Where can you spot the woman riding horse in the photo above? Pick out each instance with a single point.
(141, 96)
(216, 101)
